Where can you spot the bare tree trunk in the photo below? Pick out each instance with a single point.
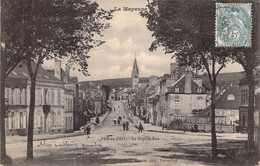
(2, 109)
(31, 119)
(251, 103)
(213, 124)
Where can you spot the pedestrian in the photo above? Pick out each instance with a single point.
(118, 121)
(124, 125)
(184, 128)
(192, 128)
(114, 120)
(127, 125)
(88, 130)
(140, 128)
(196, 127)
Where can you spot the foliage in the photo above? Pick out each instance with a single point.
(52, 29)
(35, 30)
(187, 30)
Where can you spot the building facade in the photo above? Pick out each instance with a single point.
(49, 93)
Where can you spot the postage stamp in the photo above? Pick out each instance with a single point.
(233, 25)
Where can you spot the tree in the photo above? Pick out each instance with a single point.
(55, 29)
(12, 53)
(186, 29)
(248, 57)
(107, 89)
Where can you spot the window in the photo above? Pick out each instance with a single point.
(230, 97)
(58, 118)
(21, 96)
(200, 103)
(12, 120)
(177, 90)
(52, 97)
(59, 97)
(6, 96)
(21, 120)
(66, 104)
(40, 96)
(176, 104)
(14, 96)
(11, 96)
(45, 96)
(244, 96)
(199, 90)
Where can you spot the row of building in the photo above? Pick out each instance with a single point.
(60, 105)
(182, 98)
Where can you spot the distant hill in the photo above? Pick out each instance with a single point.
(116, 82)
(222, 79)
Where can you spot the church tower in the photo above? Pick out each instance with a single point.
(135, 75)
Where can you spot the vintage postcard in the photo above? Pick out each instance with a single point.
(130, 82)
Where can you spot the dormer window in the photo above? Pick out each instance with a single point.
(230, 97)
(199, 90)
(177, 90)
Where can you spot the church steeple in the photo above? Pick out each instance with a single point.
(135, 71)
(135, 74)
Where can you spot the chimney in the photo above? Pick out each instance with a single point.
(67, 70)
(187, 86)
(57, 69)
(197, 72)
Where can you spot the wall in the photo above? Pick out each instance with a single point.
(183, 104)
(231, 115)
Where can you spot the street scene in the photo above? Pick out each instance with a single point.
(129, 82)
(110, 144)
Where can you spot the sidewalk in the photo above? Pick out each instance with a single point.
(153, 128)
(39, 137)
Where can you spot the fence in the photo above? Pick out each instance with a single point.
(203, 123)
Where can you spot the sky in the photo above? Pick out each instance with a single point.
(127, 36)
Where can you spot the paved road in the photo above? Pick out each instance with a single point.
(111, 145)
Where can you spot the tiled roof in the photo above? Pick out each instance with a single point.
(180, 83)
(224, 103)
(42, 75)
(150, 90)
(223, 79)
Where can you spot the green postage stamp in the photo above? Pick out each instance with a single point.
(233, 25)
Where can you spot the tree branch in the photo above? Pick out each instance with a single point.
(205, 63)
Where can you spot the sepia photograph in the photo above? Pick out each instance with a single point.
(130, 82)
